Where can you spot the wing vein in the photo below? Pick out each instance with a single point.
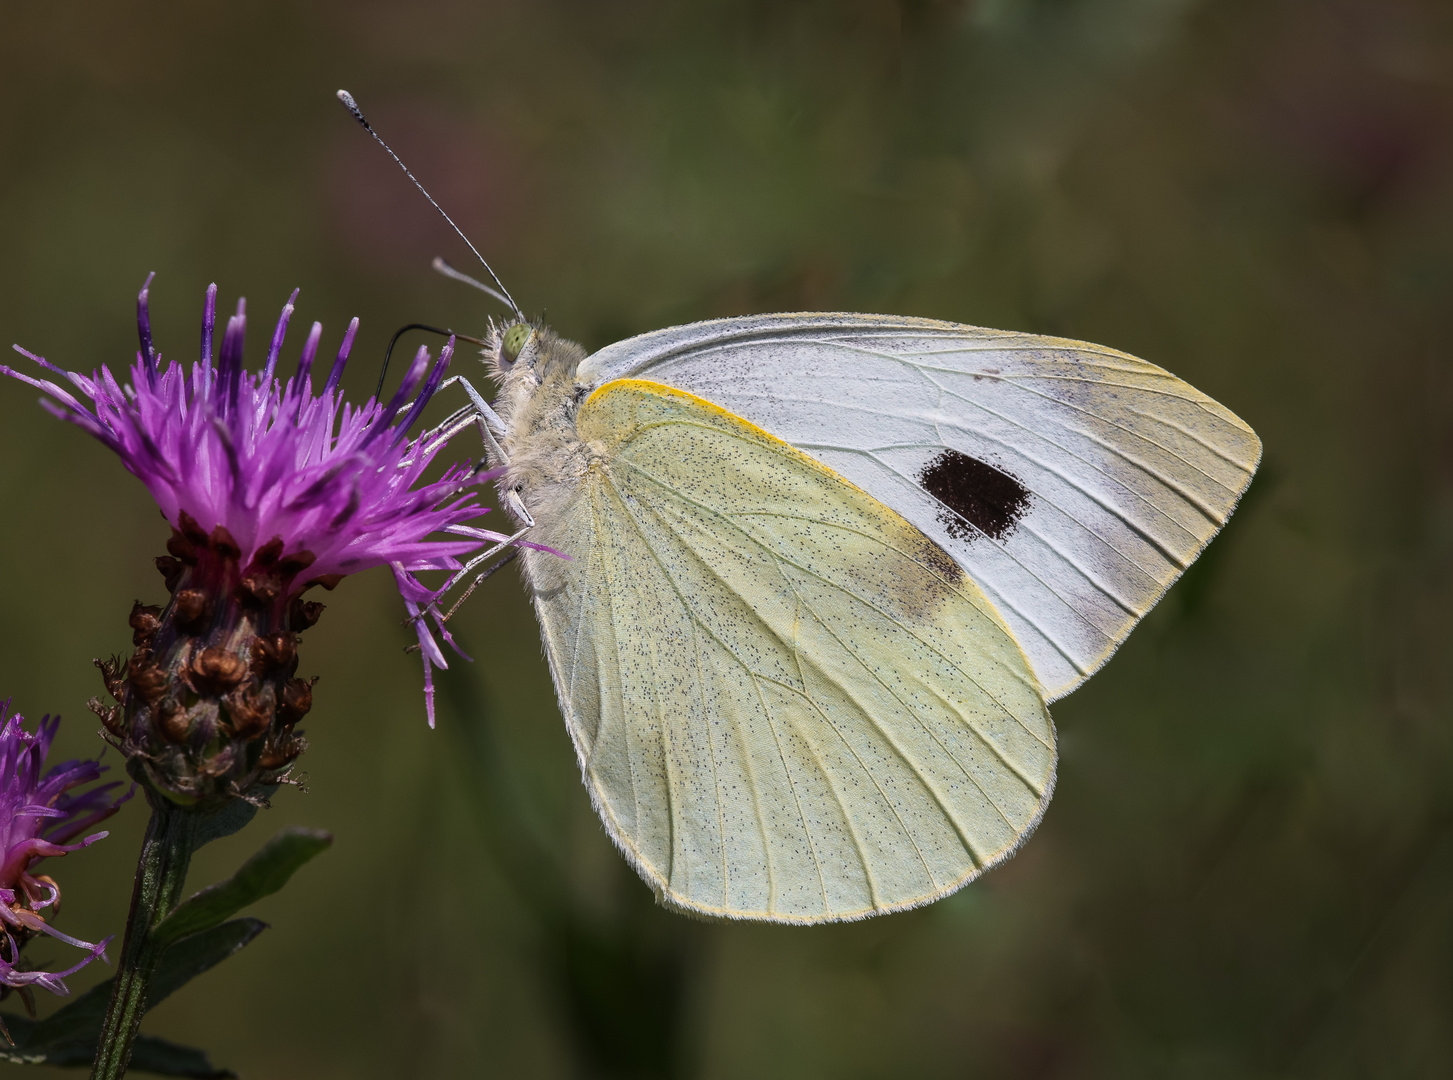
(913, 765)
(873, 891)
(620, 682)
(792, 784)
(1192, 499)
(731, 520)
(658, 707)
(711, 756)
(876, 609)
(1110, 479)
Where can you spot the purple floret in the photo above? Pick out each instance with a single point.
(39, 815)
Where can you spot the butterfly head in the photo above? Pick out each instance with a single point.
(507, 344)
(512, 342)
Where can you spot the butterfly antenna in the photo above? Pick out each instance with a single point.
(442, 267)
(503, 294)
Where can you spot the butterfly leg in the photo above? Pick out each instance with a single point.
(480, 580)
(491, 428)
(517, 504)
(478, 411)
(484, 556)
(456, 422)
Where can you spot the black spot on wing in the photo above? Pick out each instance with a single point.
(976, 497)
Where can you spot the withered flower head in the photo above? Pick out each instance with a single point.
(270, 489)
(39, 816)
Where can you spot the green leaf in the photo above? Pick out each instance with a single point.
(188, 958)
(153, 1055)
(224, 822)
(80, 1021)
(19, 1052)
(262, 875)
(195, 938)
(148, 1054)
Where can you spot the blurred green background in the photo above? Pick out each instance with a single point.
(1247, 870)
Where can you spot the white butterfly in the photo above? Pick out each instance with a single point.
(825, 572)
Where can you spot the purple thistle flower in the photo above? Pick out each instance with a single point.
(39, 816)
(261, 480)
(267, 460)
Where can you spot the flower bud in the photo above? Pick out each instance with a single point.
(207, 704)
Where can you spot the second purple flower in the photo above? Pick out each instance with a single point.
(41, 817)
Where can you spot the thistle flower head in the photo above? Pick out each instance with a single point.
(40, 817)
(273, 463)
(270, 489)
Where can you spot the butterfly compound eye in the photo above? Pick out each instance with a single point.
(514, 341)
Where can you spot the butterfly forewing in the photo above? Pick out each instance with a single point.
(1073, 483)
(788, 703)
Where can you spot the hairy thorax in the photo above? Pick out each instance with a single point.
(538, 400)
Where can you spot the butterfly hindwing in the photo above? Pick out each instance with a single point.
(1072, 482)
(787, 702)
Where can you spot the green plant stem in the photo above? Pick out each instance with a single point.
(161, 875)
